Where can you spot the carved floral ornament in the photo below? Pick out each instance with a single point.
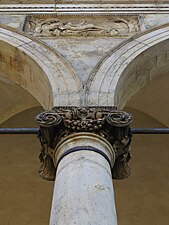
(108, 122)
(82, 26)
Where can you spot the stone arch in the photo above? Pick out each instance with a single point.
(37, 68)
(14, 99)
(129, 67)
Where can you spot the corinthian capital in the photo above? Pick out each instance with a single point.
(108, 122)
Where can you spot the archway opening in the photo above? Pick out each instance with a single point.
(146, 190)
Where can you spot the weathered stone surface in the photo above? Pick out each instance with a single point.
(155, 20)
(83, 54)
(96, 26)
(15, 21)
(106, 82)
(107, 122)
(84, 178)
(31, 64)
(138, 61)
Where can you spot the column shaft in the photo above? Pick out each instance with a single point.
(83, 191)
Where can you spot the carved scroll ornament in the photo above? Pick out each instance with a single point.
(108, 122)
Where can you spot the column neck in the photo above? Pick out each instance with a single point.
(84, 142)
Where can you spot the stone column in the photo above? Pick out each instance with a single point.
(83, 192)
(84, 148)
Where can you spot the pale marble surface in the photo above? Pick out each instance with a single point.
(15, 21)
(154, 20)
(83, 53)
(83, 192)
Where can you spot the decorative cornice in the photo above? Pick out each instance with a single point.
(107, 122)
(85, 9)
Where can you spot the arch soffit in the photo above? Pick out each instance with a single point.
(38, 69)
(114, 80)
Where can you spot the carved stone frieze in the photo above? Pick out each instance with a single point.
(81, 26)
(108, 122)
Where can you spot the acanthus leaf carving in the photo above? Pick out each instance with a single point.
(47, 169)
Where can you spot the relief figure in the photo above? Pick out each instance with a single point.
(54, 27)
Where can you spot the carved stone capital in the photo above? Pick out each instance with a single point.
(108, 122)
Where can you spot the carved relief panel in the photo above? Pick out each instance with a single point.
(56, 26)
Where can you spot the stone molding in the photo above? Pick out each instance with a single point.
(109, 123)
(85, 9)
(78, 141)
